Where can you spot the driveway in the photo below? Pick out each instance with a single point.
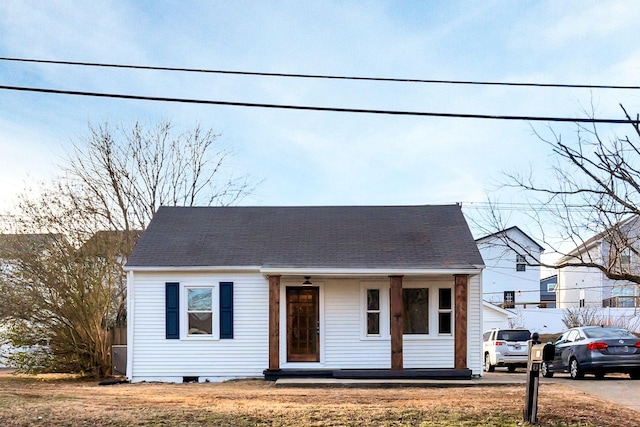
(617, 388)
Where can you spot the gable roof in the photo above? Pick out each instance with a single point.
(302, 237)
(583, 248)
(499, 235)
(497, 308)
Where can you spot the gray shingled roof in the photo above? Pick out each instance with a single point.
(303, 237)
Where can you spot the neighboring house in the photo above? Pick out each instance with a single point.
(494, 316)
(115, 246)
(233, 292)
(589, 286)
(11, 245)
(511, 277)
(548, 291)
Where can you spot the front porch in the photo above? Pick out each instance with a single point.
(369, 374)
(331, 323)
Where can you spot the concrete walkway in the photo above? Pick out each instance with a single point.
(338, 382)
(615, 388)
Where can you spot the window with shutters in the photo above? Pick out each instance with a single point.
(195, 311)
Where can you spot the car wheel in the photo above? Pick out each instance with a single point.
(488, 367)
(511, 368)
(635, 375)
(574, 369)
(544, 369)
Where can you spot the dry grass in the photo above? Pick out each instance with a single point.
(63, 400)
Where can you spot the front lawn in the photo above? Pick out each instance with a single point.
(51, 400)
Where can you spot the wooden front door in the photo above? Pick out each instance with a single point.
(303, 324)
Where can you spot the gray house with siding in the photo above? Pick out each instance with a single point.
(216, 293)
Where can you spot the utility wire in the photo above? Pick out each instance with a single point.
(311, 108)
(532, 206)
(317, 76)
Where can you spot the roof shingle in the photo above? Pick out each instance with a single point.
(302, 237)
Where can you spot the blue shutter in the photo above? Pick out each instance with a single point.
(226, 310)
(172, 310)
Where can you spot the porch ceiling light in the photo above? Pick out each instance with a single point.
(307, 281)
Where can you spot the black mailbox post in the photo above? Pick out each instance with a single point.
(538, 353)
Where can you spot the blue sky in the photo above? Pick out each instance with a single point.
(321, 158)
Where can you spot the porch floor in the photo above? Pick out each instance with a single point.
(368, 374)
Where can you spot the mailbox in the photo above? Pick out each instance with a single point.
(542, 353)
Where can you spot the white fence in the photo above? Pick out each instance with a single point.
(550, 320)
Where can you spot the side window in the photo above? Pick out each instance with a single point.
(485, 336)
(444, 311)
(373, 312)
(521, 263)
(200, 311)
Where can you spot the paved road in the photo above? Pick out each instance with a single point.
(617, 388)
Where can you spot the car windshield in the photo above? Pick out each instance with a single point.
(516, 335)
(607, 333)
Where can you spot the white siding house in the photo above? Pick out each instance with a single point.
(588, 286)
(239, 292)
(511, 277)
(496, 317)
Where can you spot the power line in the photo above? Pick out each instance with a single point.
(528, 206)
(566, 288)
(318, 76)
(312, 108)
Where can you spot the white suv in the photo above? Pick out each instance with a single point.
(505, 347)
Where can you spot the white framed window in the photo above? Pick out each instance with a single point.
(200, 313)
(427, 310)
(551, 287)
(444, 311)
(625, 259)
(521, 263)
(373, 312)
(374, 304)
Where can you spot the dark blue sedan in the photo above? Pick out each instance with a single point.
(596, 350)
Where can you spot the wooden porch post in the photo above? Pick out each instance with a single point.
(460, 333)
(274, 322)
(396, 321)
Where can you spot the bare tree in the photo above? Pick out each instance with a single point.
(125, 174)
(592, 194)
(62, 296)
